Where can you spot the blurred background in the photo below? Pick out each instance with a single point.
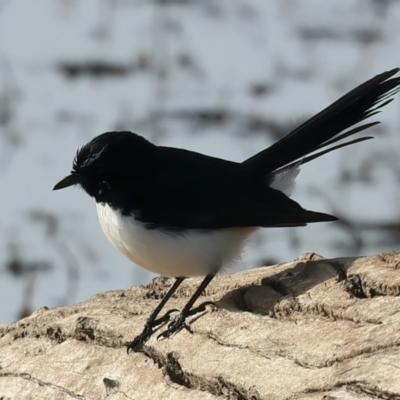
(226, 78)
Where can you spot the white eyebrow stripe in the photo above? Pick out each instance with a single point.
(90, 160)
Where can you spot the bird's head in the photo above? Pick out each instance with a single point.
(102, 163)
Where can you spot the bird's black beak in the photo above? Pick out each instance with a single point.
(69, 180)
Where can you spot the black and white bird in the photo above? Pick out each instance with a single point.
(181, 214)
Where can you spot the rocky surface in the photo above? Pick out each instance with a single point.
(313, 328)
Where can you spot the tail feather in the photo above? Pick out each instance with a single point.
(327, 127)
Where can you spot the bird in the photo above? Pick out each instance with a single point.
(183, 214)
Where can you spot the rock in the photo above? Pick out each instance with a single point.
(313, 328)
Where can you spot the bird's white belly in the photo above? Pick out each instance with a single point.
(176, 254)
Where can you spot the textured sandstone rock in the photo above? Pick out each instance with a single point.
(309, 329)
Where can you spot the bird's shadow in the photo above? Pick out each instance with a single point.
(262, 296)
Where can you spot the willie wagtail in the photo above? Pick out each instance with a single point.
(179, 213)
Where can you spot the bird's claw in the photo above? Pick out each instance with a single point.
(179, 322)
(174, 327)
(139, 340)
(201, 308)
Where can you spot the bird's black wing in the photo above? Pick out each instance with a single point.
(188, 190)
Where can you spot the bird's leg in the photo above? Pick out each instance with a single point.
(179, 322)
(152, 321)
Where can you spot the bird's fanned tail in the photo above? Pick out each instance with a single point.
(328, 127)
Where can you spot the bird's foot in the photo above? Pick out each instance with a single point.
(148, 330)
(179, 322)
(174, 326)
(139, 340)
(201, 308)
